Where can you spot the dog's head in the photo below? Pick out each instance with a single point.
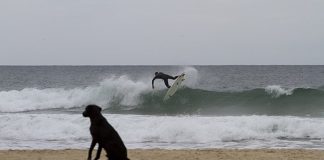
(91, 111)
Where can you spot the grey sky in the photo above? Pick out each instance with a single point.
(110, 32)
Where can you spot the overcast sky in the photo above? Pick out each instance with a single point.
(155, 32)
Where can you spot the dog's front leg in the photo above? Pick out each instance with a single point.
(98, 152)
(93, 144)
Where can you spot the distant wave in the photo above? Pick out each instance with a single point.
(277, 91)
(123, 95)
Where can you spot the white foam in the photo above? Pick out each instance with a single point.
(276, 91)
(59, 131)
(121, 88)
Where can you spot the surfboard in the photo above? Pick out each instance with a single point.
(175, 86)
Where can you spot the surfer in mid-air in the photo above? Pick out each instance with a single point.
(164, 77)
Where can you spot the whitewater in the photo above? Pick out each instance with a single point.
(218, 106)
(61, 131)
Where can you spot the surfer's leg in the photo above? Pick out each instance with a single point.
(166, 83)
(170, 77)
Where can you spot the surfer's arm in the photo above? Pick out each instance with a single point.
(153, 82)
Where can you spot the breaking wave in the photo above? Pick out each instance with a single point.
(124, 95)
(61, 131)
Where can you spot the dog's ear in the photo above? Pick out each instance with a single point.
(99, 108)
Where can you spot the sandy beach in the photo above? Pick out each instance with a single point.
(159, 154)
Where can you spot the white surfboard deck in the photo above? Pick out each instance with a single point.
(175, 86)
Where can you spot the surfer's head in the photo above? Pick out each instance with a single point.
(156, 73)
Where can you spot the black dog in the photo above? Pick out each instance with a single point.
(105, 135)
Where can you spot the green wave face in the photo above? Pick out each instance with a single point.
(299, 102)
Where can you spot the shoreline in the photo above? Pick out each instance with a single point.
(174, 154)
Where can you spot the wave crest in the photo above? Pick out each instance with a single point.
(121, 88)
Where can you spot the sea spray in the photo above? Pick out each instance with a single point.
(192, 77)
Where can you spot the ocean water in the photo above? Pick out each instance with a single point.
(218, 106)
